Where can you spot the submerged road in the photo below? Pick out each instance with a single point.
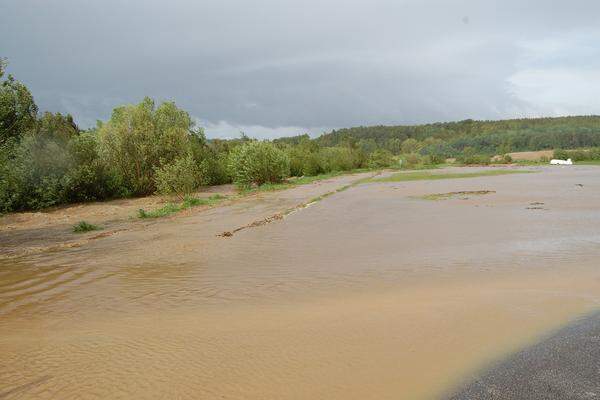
(566, 365)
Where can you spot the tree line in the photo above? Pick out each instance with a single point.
(146, 148)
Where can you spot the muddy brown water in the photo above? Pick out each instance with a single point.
(371, 293)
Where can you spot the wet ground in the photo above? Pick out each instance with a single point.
(373, 292)
(565, 365)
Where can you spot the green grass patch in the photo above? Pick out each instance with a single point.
(297, 181)
(426, 175)
(588, 162)
(188, 202)
(84, 226)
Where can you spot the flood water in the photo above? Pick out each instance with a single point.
(371, 293)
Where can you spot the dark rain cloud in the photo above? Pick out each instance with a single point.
(277, 66)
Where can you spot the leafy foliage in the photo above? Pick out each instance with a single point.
(84, 226)
(180, 178)
(17, 109)
(257, 163)
(140, 138)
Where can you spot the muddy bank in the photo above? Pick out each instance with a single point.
(371, 293)
(29, 233)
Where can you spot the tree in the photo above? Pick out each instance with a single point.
(140, 138)
(17, 109)
(56, 126)
(410, 146)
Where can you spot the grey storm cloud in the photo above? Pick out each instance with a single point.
(277, 67)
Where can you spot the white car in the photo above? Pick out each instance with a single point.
(561, 162)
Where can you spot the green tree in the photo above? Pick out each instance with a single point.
(56, 126)
(140, 138)
(17, 109)
(410, 146)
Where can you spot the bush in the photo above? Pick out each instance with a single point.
(257, 163)
(410, 146)
(380, 158)
(84, 226)
(332, 159)
(469, 157)
(179, 178)
(35, 174)
(213, 169)
(411, 160)
(433, 159)
(90, 178)
(560, 154)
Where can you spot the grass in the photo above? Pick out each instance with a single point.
(303, 180)
(84, 226)
(588, 162)
(187, 203)
(452, 195)
(426, 175)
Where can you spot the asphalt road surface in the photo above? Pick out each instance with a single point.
(565, 365)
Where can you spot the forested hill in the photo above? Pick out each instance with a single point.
(492, 137)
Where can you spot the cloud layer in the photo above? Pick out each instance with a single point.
(272, 67)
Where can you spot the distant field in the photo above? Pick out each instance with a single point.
(426, 175)
(531, 155)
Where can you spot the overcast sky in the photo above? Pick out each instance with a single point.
(282, 67)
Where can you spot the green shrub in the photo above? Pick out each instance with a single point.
(469, 157)
(90, 178)
(380, 158)
(257, 163)
(180, 177)
(36, 170)
(410, 146)
(342, 158)
(560, 154)
(83, 226)
(213, 169)
(411, 160)
(433, 159)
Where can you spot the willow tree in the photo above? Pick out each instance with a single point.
(140, 138)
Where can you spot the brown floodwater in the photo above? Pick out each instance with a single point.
(371, 293)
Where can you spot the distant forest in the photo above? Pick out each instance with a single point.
(486, 137)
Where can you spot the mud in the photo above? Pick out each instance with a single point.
(370, 293)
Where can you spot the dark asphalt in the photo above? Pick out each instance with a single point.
(565, 365)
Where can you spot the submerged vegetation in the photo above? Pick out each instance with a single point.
(188, 202)
(147, 148)
(463, 195)
(427, 175)
(84, 226)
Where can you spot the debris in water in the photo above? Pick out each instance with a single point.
(462, 195)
